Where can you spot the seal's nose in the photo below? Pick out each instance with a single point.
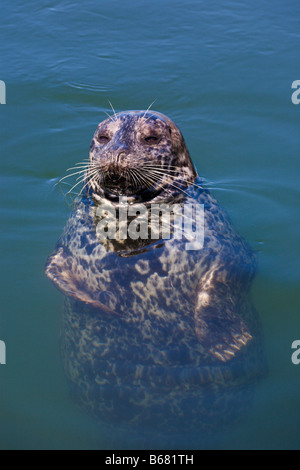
(118, 153)
(121, 154)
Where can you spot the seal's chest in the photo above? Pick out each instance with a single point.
(156, 283)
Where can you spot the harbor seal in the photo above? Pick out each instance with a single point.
(156, 333)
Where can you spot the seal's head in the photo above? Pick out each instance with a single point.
(138, 154)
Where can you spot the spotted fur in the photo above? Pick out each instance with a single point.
(151, 330)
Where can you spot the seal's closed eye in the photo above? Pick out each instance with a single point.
(152, 139)
(103, 139)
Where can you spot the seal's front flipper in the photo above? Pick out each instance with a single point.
(64, 272)
(219, 328)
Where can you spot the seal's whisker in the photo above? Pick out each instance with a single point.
(162, 172)
(84, 175)
(158, 172)
(171, 184)
(109, 116)
(82, 163)
(62, 182)
(154, 177)
(72, 174)
(82, 170)
(113, 109)
(64, 194)
(152, 180)
(93, 178)
(142, 179)
(83, 167)
(180, 189)
(165, 167)
(138, 178)
(134, 178)
(89, 181)
(150, 177)
(74, 187)
(79, 165)
(149, 108)
(92, 168)
(149, 117)
(67, 194)
(81, 176)
(92, 164)
(93, 172)
(146, 180)
(84, 186)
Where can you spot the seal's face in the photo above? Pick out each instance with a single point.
(138, 153)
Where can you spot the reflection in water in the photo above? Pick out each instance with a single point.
(156, 339)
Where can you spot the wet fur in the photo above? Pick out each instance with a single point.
(147, 327)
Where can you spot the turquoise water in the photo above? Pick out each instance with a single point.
(223, 72)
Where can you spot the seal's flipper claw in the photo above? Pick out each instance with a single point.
(62, 272)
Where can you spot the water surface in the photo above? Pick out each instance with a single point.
(223, 73)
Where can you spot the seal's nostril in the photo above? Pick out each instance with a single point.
(121, 155)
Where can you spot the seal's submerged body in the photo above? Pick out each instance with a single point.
(154, 333)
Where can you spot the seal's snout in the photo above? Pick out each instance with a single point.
(118, 155)
(119, 162)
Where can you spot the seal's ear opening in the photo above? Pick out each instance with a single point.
(64, 273)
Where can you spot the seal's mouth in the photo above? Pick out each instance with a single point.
(129, 183)
(114, 189)
(115, 182)
(139, 183)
